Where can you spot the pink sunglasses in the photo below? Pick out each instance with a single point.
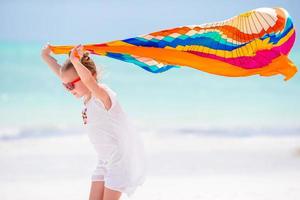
(71, 85)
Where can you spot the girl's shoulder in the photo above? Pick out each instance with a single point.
(107, 88)
(111, 93)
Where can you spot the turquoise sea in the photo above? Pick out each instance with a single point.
(184, 100)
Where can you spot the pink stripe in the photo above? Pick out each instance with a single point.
(287, 46)
(261, 59)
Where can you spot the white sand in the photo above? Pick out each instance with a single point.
(179, 167)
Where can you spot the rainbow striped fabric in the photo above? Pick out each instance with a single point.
(255, 42)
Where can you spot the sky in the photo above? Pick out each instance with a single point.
(96, 21)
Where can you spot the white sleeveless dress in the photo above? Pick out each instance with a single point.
(120, 149)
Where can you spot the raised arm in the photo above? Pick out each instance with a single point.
(87, 78)
(52, 62)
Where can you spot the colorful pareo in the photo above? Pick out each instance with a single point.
(255, 42)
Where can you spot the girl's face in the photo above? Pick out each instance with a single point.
(80, 89)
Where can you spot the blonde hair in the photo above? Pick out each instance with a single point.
(85, 60)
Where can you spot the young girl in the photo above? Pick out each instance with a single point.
(121, 157)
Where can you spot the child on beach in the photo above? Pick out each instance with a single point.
(121, 163)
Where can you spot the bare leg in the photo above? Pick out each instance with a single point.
(111, 194)
(97, 190)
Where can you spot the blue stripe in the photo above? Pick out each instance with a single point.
(128, 58)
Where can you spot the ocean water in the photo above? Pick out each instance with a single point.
(184, 100)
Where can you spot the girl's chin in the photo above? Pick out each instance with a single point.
(77, 95)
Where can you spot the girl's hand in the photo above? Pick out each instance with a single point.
(76, 53)
(46, 50)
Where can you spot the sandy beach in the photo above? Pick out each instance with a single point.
(179, 167)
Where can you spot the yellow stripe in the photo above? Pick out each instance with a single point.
(258, 44)
(285, 38)
(119, 43)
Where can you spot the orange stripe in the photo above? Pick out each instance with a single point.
(281, 65)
